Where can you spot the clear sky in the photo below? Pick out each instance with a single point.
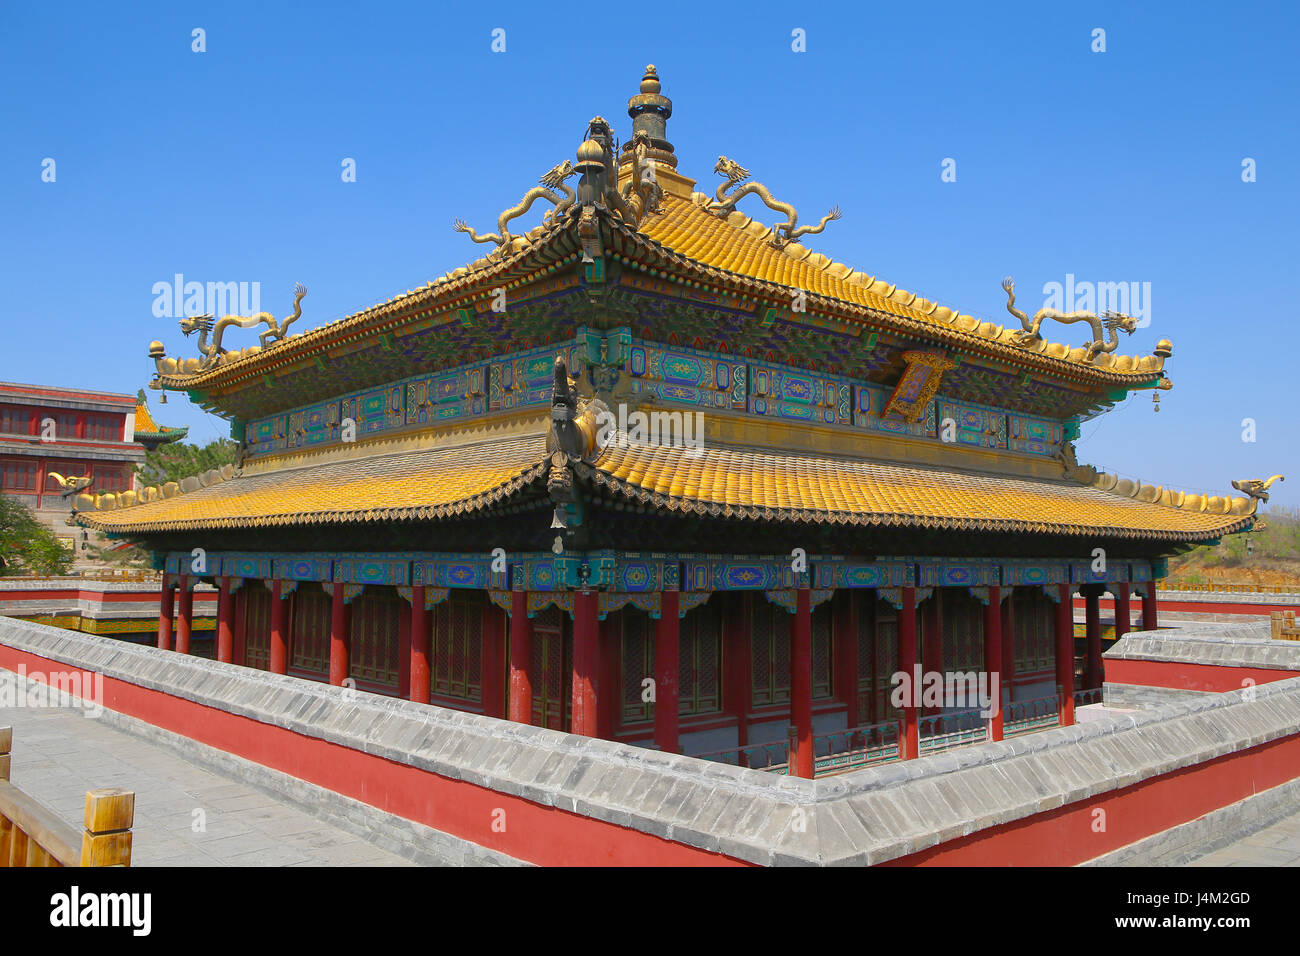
(1117, 166)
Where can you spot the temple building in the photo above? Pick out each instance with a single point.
(655, 471)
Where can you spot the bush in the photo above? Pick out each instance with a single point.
(26, 545)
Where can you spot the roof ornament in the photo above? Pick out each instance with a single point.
(552, 180)
(599, 183)
(1113, 322)
(212, 351)
(724, 204)
(1256, 488)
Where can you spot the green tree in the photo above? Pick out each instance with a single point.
(177, 460)
(27, 545)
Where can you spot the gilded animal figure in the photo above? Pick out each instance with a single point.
(735, 175)
(1256, 488)
(212, 351)
(554, 179)
(71, 485)
(1107, 341)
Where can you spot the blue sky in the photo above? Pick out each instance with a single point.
(1115, 166)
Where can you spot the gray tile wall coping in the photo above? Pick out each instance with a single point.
(864, 817)
(1224, 645)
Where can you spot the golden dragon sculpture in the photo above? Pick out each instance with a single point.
(1113, 322)
(554, 179)
(785, 232)
(1256, 488)
(212, 351)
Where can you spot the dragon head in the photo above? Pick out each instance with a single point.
(731, 169)
(558, 175)
(196, 323)
(1118, 320)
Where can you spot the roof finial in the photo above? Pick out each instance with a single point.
(650, 110)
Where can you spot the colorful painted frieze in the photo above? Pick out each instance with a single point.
(687, 376)
(973, 425)
(1035, 436)
(800, 396)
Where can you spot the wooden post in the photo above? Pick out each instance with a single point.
(166, 610)
(1092, 630)
(586, 665)
(421, 641)
(185, 616)
(6, 745)
(738, 683)
(993, 657)
(1123, 611)
(1065, 653)
(1149, 622)
(910, 742)
(279, 653)
(521, 659)
(667, 663)
(932, 639)
(225, 629)
(1009, 642)
(801, 683)
(107, 838)
(340, 642)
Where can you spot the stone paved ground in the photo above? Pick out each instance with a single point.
(59, 754)
(1276, 845)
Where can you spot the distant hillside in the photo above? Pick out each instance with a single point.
(1270, 556)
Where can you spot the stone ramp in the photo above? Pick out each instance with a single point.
(248, 816)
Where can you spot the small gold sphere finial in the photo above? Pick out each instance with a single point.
(591, 152)
(156, 349)
(650, 82)
(1164, 348)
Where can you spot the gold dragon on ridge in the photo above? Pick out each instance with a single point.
(1113, 322)
(212, 351)
(783, 232)
(554, 179)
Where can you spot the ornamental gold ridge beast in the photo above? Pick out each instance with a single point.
(737, 174)
(554, 179)
(1113, 322)
(211, 352)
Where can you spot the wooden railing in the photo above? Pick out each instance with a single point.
(31, 835)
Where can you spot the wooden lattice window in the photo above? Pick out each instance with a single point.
(823, 684)
(1034, 624)
(257, 626)
(15, 420)
(770, 654)
(699, 663)
(548, 667)
(458, 648)
(376, 621)
(963, 631)
(637, 654)
(309, 643)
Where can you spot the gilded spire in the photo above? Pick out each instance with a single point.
(650, 110)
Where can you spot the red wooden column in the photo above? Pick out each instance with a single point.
(1065, 653)
(279, 657)
(225, 622)
(586, 664)
(1149, 606)
(801, 683)
(184, 616)
(609, 693)
(166, 609)
(667, 651)
(738, 685)
(993, 657)
(844, 636)
(1009, 641)
(521, 659)
(1123, 610)
(340, 639)
(1092, 629)
(493, 676)
(932, 639)
(910, 742)
(421, 641)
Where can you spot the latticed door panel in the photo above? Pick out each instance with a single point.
(257, 627)
(458, 649)
(376, 617)
(886, 649)
(637, 656)
(770, 654)
(1034, 625)
(548, 670)
(699, 642)
(963, 631)
(309, 647)
(823, 684)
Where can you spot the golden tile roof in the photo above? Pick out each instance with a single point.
(740, 483)
(742, 245)
(429, 484)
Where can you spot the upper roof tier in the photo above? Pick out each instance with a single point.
(633, 216)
